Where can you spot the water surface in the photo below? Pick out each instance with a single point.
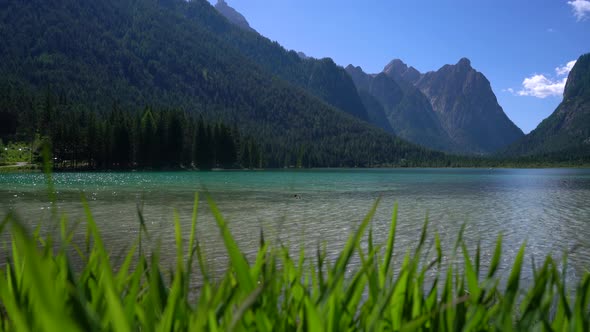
(547, 208)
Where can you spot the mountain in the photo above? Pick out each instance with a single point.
(375, 111)
(468, 109)
(320, 77)
(566, 132)
(453, 109)
(406, 109)
(303, 55)
(374, 107)
(121, 54)
(398, 70)
(233, 15)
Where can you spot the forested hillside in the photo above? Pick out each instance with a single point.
(321, 77)
(177, 55)
(565, 134)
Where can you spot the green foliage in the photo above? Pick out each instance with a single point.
(320, 77)
(277, 291)
(63, 55)
(17, 152)
(563, 137)
(122, 138)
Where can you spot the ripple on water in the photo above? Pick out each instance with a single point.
(547, 208)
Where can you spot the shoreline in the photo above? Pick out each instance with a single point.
(37, 168)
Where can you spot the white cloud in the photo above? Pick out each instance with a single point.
(581, 8)
(565, 69)
(541, 86)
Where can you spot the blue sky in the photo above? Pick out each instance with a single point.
(508, 41)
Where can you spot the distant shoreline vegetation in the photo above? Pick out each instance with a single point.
(27, 156)
(64, 166)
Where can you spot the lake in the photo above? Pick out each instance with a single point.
(547, 208)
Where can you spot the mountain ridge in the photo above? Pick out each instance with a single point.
(233, 15)
(397, 69)
(321, 77)
(567, 130)
(407, 112)
(468, 108)
(455, 94)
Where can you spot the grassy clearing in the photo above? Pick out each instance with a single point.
(278, 291)
(15, 152)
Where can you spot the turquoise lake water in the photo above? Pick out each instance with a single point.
(547, 208)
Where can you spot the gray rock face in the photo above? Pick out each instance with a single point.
(406, 110)
(468, 109)
(453, 109)
(233, 15)
(361, 79)
(375, 111)
(398, 70)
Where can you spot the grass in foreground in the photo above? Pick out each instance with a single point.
(40, 290)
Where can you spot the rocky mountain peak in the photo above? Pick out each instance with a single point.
(361, 79)
(232, 15)
(578, 80)
(453, 108)
(352, 69)
(398, 70)
(464, 62)
(303, 55)
(396, 65)
(468, 108)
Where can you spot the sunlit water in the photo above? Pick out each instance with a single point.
(547, 208)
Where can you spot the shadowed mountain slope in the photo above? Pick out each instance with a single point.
(567, 130)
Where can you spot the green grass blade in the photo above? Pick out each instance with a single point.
(238, 261)
(389, 249)
(496, 258)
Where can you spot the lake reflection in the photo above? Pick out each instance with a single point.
(547, 208)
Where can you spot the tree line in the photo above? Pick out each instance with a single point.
(120, 138)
